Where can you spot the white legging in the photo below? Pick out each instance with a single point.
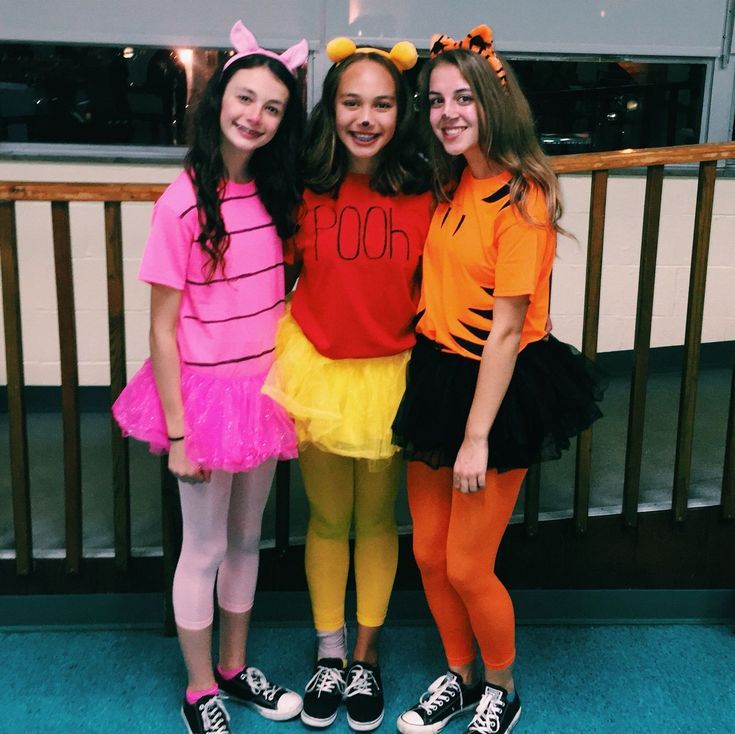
(221, 539)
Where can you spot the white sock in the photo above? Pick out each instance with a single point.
(332, 643)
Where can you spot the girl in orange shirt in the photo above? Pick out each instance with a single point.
(488, 391)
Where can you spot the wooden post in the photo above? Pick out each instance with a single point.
(695, 312)
(69, 385)
(644, 316)
(19, 477)
(116, 325)
(583, 473)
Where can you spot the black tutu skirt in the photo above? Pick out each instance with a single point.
(552, 397)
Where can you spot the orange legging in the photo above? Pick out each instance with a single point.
(455, 541)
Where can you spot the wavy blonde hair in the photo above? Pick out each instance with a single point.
(506, 134)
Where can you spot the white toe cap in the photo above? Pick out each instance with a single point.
(410, 718)
(290, 703)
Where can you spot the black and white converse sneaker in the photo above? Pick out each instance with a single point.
(364, 696)
(445, 698)
(207, 715)
(495, 714)
(251, 688)
(323, 692)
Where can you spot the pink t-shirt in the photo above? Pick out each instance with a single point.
(226, 326)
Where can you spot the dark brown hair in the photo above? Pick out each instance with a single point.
(326, 161)
(274, 167)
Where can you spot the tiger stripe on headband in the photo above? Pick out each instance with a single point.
(479, 40)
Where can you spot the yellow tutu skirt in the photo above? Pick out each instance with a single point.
(341, 406)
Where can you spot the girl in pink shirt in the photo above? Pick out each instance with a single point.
(214, 260)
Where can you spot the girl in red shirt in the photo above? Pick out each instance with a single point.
(342, 351)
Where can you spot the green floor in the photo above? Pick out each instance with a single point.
(572, 680)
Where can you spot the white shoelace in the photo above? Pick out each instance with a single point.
(439, 692)
(487, 716)
(259, 684)
(215, 717)
(362, 681)
(326, 680)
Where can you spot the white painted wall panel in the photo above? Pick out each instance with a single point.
(618, 298)
(162, 22)
(653, 27)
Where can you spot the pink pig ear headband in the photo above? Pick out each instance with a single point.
(244, 43)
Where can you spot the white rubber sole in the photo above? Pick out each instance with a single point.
(406, 727)
(365, 725)
(318, 723)
(264, 712)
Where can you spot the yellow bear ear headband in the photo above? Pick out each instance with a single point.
(403, 54)
(480, 41)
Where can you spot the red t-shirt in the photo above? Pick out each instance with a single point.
(359, 286)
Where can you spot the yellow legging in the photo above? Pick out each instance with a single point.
(339, 488)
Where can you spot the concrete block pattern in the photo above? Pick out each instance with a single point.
(664, 293)
(567, 289)
(676, 233)
(621, 255)
(722, 241)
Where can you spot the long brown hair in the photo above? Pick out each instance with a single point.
(325, 161)
(506, 134)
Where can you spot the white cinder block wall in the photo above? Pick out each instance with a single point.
(621, 255)
(620, 267)
(39, 318)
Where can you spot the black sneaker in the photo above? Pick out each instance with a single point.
(207, 715)
(364, 696)
(445, 698)
(251, 688)
(495, 714)
(323, 692)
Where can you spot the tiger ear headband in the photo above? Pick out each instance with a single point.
(244, 43)
(480, 41)
(403, 54)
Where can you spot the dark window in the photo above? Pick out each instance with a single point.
(592, 106)
(99, 94)
(586, 106)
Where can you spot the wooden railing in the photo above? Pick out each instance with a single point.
(114, 194)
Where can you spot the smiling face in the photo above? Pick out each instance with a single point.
(365, 113)
(453, 113)
(253, 104)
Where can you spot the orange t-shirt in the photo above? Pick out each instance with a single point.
(359, 286)
(480, 247)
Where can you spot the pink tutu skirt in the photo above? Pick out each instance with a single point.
(230, 424)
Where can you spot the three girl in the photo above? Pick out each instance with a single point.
(214, 260)
(489, 392)
(342, 352)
